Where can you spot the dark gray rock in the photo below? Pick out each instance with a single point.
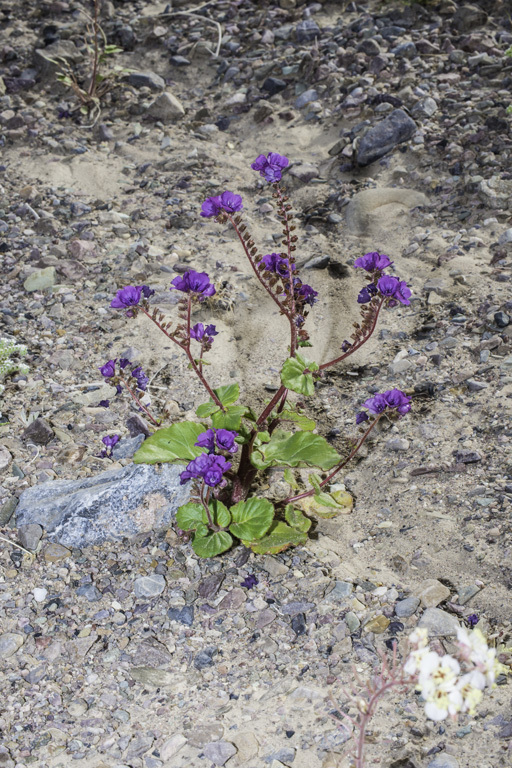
(137, 426)
(273, 85)
(219, 752)
(204, 658)
(299, 624)
(90, 592)
(38, 432)
(183, 615)
(405, 51)
(407, 607)
(306, 31)
(381, 139)
(468, 17)
(126, 448)
(107, 507)
(501, 319)
(146, 80)
(211, 585)
(439, 623)
(306, 97)
(30, 536)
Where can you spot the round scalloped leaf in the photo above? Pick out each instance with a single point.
(228, 393)
(294, 378)
(279, 538)
(212, 544)
(324, 505)
(297, 519)
(230, 418)
(174, 443)
(296, 449)
(251, 518)
(190, 516)
(219, 512)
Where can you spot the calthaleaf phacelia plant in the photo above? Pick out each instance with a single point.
(9, 352)
(229, 450)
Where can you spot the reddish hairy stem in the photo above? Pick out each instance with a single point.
(359, 343)
(155, 422)
(92, 86)
(293, 327)
(186, 348)
(340, 465)
(268, 409)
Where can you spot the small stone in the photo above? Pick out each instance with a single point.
(407, 607)
(40, 279)
(378, 625)
(342, 589)
(305, 172)
(5, 458)
(172, 746)
(467, 17)
(10, 642)
(139, 746)
(204, 734)
(39, 594)
(476, 386)
(204, 658)
(167, 108)
(505, 237)
(127, 447)
(146, 80)
(180, 61)
(467, 457)
(137, 426)
(397, 444)
(30, 536)
(299, 624)
(426, 107)
(211, 585)
(247, 746)
(90, 592)
(7, 510)
(432, 592)
(501, 319)
(149, 586)
(443, 761)
(55, 552)
(439, 623)
(183, 615)
(273, 85)
(383, 137)
(286, 755)
(274, 567)
(306, 31)
(233, 600)
(318, 262)
(466, 593)
(38, 432)
(306, 97)
(219, 752)
(352, 621)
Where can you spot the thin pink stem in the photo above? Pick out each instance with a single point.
(359, 343)
(293, 327)
(337, 469)
(155, 422)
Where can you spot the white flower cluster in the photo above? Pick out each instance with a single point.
(444, 689)
(7, 364)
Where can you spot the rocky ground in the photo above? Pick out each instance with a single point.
(130, 651)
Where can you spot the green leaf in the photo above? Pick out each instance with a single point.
(300, 449)
(294, 378)
(297, 519)
(251, 518)
(303, 422)
(279, 538)
(212, 544)
(228, 394)
(290, 478)
(327, 505)
(206, 409)
(190, 516)
(315, 481)
(174, 443)
(219, 513)
(304, 344)
(231, 418)
(110, 49)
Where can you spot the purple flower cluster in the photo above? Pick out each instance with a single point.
(304, 293)
(108, 442)
(208, 467)
(395, 290)
(109, 371)
(201, 333)
(131, 296)
(270, 166)
(194, 282)
(223, 439)
(373, 262)
(228, 202)
(274, 262)
(393, 400)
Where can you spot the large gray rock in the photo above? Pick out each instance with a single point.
(146, 80)
(167, 108)
(107, 507)
(381, 139)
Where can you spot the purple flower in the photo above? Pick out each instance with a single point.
(373, 261)
(250, 581)
(124, 361)
(394, 288)
(206, 440)
(127, 297)
(104, 404)
(141, 378)
(346, 346)
(472, 620)
(274, 262)
(109, 369)
(366, 294)
(306, 294)
(226, 440)
(213, 474)
(270, 167)
(376, 404)
(228, 202)
(361, 416)
(108, 441)
(200, 333)
(207, 466)
(194, 282)
(398, 400)
(147, 292)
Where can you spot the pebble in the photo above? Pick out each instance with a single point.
(10, 642)
(30, 536)
(5, 458)
(352, 622)
(443, 761)
(183, 615)
(439, 623)
(219, 752)
(397, 444)
(432, 592)
(39, 594)
(274, 567)
(407, 607)
(383, 137)
(466, 593)
(146, 80)
(40, 279)
(167, 108)
(38, 432)
(149, 586)
(172, 746)
(127, 447)
(204, 658)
